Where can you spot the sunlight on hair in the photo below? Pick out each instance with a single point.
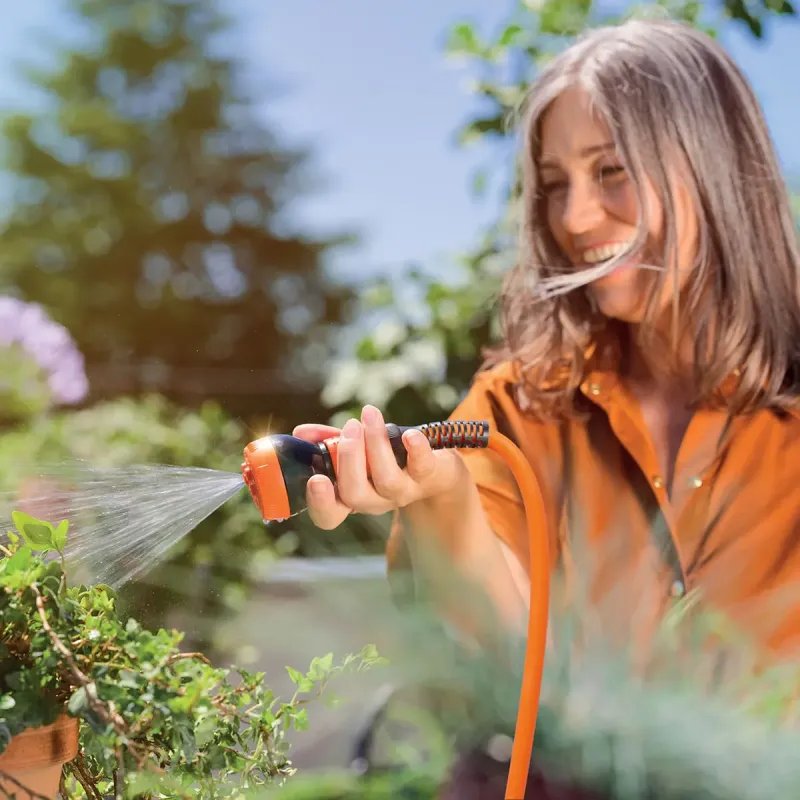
(551, 286)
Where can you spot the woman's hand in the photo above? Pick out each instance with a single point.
(369, 480)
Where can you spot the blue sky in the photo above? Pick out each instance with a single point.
(365, 84)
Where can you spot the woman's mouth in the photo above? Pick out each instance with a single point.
(603, 252)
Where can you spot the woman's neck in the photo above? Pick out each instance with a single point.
(651, 369)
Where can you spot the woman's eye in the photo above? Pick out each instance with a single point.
(612, 171)
(553, 187)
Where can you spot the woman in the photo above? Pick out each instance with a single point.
(650, 367)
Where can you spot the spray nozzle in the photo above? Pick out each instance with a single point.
(276, 468)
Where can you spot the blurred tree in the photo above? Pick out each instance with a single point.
(425, 344)
(149, 217)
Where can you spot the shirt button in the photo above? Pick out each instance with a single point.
(696, 482)
(677, 589)
(594, 388)
(658, 482)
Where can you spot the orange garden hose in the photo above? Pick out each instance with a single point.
(537, 616)
(276, 469)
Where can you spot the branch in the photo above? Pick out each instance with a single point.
(180, 656)
(81, 772)
(106, 712)
(119, 776)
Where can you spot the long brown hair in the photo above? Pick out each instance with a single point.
(668, 93)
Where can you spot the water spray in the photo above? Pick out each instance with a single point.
(276, 470)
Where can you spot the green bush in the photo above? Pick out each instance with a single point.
(700, 715)
(155, 721)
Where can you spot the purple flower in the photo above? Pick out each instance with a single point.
(49, 344)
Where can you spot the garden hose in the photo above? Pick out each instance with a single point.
(276, 469)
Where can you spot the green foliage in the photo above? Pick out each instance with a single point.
(155, 721)
(400, 786)
(23, 385)
(144, 215)
(699, 715)
(439, 325)
(752, 14)
(413, 369)
(40, 535)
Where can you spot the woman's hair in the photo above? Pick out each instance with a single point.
(673, 100)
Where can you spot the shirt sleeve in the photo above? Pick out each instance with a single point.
(490, 398)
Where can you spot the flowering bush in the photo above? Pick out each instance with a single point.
(40, 365)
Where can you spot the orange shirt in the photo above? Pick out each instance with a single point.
(729, 526)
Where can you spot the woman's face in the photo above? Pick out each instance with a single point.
(592, 209)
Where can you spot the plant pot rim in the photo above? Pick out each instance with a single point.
(33, 748)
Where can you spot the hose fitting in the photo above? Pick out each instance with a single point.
(456, 433)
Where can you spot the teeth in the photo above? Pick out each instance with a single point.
(604, 252)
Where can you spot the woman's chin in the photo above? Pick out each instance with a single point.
(618, 302)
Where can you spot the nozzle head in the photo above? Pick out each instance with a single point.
(263, 476)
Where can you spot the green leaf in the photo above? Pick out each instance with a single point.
(369, 651)
(564, 17)
(320, 667)
(79, 702)
(303, 683)
(37, 533)
(510, 35)
(19, 562)
(205, 731)
(479, 128)
(463, 40)
(295, 675)
(60, 535)
(367, 350)
(300, 720)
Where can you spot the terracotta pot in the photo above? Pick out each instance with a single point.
(35, 757)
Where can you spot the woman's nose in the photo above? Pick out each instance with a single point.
(583, 210)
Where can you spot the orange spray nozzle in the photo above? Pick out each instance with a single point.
(276, 470)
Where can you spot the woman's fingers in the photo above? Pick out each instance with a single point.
(324, 508)
(421, 461)
(432, 471)
(352, 475)
(368, 478)
(315, 433)
(388, 479)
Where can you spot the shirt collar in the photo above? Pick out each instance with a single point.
(601, 373)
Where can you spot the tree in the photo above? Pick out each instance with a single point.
(146, 217)
(417, 366)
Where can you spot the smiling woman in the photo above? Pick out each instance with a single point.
(639, 180)
(649, 369)
(650, 366)
(593, 213)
